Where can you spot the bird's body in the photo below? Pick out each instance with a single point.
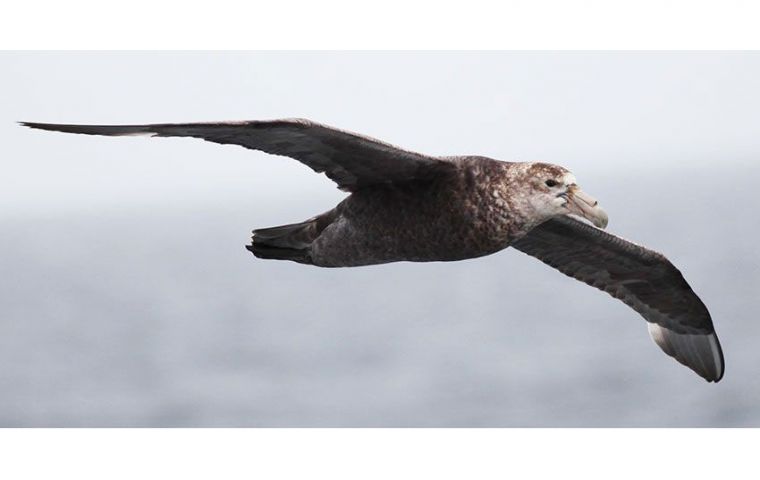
(405, 206)
(461, 213)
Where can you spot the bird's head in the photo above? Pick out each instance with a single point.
(552, 191)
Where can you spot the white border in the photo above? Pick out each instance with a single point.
(390, 24)
(378, 453)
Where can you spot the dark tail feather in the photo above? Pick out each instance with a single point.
(289, 242)
(276, 253)
(295, 236)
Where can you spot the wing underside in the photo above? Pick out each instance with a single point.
(645, 280)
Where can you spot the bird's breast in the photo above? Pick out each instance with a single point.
(432, 221)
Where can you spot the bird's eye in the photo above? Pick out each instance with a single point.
(551, 183)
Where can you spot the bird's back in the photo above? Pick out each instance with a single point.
(445, 218)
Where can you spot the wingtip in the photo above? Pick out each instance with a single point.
(39, 126)
(701, 352)
(720, 360)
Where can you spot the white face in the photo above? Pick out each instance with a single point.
(550, 194)
(554, 191)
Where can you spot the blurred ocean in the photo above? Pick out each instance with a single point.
(158, 316)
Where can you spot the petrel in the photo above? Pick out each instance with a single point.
(406, 206)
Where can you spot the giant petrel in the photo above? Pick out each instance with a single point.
(405, 206)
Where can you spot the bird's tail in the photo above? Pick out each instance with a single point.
(289, 242)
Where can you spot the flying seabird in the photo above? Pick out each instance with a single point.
(405, 206)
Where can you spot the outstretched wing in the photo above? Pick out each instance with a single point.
(645, 280)
(350, 160)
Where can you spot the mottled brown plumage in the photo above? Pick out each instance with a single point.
(457, 213)
(405, 206)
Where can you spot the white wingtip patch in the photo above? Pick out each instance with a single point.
(138, 134)
(700, 352)
(717, 353)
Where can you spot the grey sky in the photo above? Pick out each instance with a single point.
(593, 112)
